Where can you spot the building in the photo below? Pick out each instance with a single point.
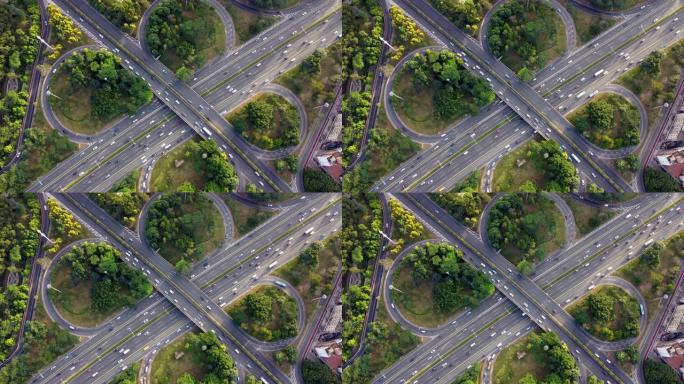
(676, 319)
(331, 163)
(331, 356)
(672, 164)
(336, 131)
(675, 132)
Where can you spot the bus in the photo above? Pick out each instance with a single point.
(262, 379)
(641, 308)
(207, 131)
(280, 284)
(273, 264)
(574, 157)
(649, 242)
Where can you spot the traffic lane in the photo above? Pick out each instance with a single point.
(224, 289)
(185, 111)
(220, 94)
(141, 319)
(582, 58)
(522, 290)
(589, 274)
(569, 103)
(518, 94)
(208, 318)
(569, 286)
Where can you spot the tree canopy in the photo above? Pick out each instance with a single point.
(524, 29)
(114, 283)
(457, 283)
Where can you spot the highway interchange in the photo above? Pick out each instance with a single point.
(481, 140)
(563, 277)
(218, 280)
(134, 141)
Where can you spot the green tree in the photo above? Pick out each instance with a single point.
(184, 73)
(525, 74)
(183, 267)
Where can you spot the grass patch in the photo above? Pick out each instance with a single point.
(91, 89)
(269, 121)
(509, 176)
(74, 302)
(608, 313)
(434, 89)
(654, 91)
(520, 27)
(73, 107)
(416, 302)
(197, 165)
(177, 167)
(317, 88)
(587, 25)
(166, 369)
(610, 121)
(387, 148)
(387, 343)
(433, 283)
(205, 34)
(525, 227)
(267, 313)
(653, 283)
(417, 109)
(508, 369)
(313, 283)
(184, 226)
(245, 218)
(587, 217)
(535, 166)
(247, 24)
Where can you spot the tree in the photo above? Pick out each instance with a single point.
(259, 306)
(318, 181)
(183, 267)
(309, 256)
(659, 181)
(317, 373)
(651, 65)
(525, 267)
(525, 74)
(656, 372)
(184, 73)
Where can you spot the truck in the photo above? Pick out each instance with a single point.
(273, 264)
(207, 131)
(649, 242)
(280, 284)
(574, 157)
(599, 73)
(579, 95)
(593, 94)
(263, 380)
(309, 231)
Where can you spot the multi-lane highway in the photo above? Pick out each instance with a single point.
(225, 83)
(228, 274)
(481, 332)
(483, 139)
